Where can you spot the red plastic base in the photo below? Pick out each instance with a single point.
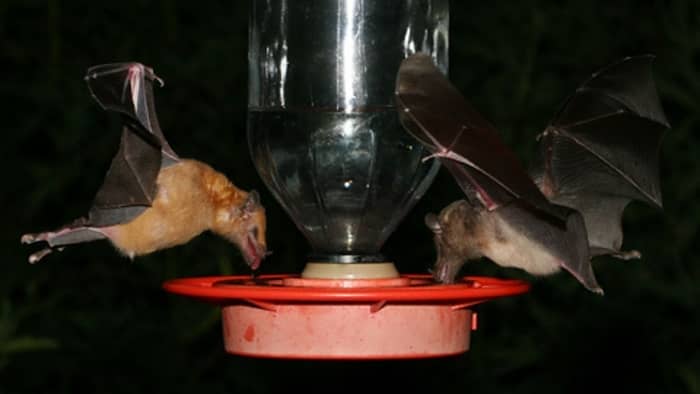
(284, 316)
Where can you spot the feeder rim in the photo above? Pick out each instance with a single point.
(230, 288)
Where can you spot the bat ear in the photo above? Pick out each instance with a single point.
(252, 203)
(431, 220)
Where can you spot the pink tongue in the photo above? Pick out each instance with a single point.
(253, 251)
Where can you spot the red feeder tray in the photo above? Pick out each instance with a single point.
(285, 316)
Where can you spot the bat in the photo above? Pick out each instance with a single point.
(598, 154)
(152, 199)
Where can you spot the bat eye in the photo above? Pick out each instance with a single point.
(432, 222)
(253, 201)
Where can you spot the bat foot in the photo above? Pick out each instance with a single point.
(32, 238)
(47, 236)
(598, 290)
(35, 257)
(628, 255)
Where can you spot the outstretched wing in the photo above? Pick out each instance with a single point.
(127, 88)
(489, 172)
(601, 150)
(436, 114)
(129, 186)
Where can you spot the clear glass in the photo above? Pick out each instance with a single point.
(323, 130)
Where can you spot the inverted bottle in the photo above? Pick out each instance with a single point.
(323, 130)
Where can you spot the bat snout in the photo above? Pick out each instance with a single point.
(255, 249)
(446, 271)
(431, 220)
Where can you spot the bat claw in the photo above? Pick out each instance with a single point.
(433, 156)
(446, 152)
(426, 158)
(543, 134)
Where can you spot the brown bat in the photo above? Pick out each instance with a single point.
(151, 199)
(599, 153)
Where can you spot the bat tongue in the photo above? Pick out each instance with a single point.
(253, 255)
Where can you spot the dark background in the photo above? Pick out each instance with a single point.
(88, 319)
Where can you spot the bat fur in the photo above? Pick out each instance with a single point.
(569, 207)
(151, 199)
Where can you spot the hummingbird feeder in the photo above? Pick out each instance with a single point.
(325, 137)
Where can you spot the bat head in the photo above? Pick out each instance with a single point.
(455, 233)
(246, 229)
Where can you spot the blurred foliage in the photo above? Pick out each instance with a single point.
(10, 342)
(88, 319)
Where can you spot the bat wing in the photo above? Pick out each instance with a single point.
(129, 186)
(127, 88)
(438, 116)
(601, 150)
